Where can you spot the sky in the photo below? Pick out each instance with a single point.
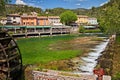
(67, 4)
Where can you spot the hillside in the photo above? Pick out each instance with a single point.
(109, 21)
(20, 9)
(58, 11)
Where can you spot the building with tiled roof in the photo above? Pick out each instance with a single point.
(53, 19)
(13, 19)
(81, 19)
(42, 20)
(28, 20)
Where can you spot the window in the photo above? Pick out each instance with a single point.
(14, 17)
(31, 19)
(32, 23)
(24, 23)
(14, 22)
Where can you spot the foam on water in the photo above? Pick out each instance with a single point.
(89, 62)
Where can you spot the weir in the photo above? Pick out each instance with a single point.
(89, 62)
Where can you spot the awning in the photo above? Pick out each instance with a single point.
(43, 26)
(87, 27)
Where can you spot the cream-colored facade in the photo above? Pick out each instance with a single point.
(81, 19)
(13, 19)
(54, 19)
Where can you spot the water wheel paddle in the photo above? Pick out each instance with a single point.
(10, 58)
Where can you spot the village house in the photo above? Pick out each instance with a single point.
(13, 19)
(81, 20)
(33, 20)
(53, 20)
(42, 20)
(34, 13)
(28, 20)
(92, 21)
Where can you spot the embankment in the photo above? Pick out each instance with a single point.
(106, 60)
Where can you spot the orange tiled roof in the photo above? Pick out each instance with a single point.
(28, 16)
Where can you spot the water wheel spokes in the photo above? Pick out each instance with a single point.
(10, 57)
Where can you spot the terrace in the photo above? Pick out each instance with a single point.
(25, 31)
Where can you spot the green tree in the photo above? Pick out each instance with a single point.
(110, 20)
(2, 6)
(67, 17)
(116, 77)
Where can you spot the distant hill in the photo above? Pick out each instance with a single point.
(20, 9)
(81, 11)
(58, 11)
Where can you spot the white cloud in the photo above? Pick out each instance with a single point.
(20, 2)
(78, 4)
(104, 3)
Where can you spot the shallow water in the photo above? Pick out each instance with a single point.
(89, 62)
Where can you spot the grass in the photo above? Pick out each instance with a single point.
(93, 31)
(36, 50)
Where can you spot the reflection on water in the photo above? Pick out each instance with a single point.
(89, 62)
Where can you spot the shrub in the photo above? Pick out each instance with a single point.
(116, 77)
(81, 29)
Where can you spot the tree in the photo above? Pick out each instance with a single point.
(110, 20)
(67, 17)
(2, 5)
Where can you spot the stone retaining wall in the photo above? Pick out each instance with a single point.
(55, 76)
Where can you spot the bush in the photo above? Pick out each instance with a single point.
(118, 39)
(93, 31)
(116, 77)
(81, 29)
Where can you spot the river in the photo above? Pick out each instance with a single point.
(89, 62)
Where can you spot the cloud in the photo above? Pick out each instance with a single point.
(20, 2)
(104, 3)
(78, 4)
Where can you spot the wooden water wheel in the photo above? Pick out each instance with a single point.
(10, 58)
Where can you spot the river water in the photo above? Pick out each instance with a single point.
(89, 62)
